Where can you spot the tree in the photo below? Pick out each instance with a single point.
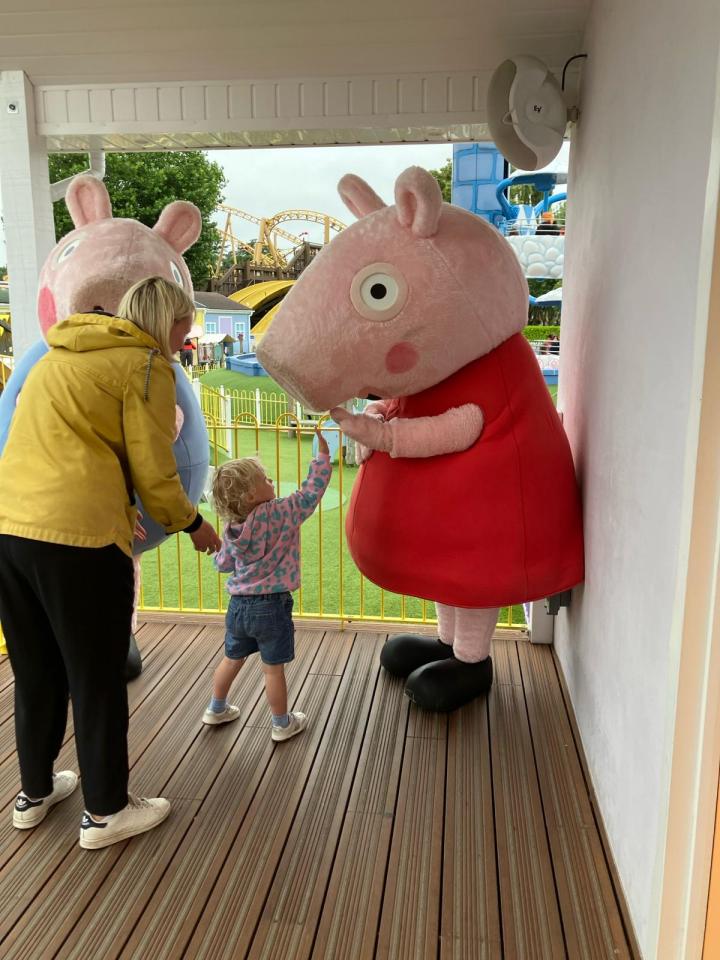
(444, 178)
(141, 184)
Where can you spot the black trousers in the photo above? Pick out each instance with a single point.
(66, 613)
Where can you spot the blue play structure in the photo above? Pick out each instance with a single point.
(524, 218)
(246, 363)
(477, 169)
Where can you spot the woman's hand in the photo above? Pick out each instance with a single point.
(205, 538)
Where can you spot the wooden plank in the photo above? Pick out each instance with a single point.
(351, 912)
(410, 915)
(237, 840)
(207, 752)
(44, 929)
(287, 924)
(531, 924)
(156, 667)
(157, 663)
(470, 920)
(330, 661)
(612, 866)
(38, 853)
(590, 914)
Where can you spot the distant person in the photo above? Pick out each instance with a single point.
(260, 551)
(547, 223)
(186, 354)
(554, 344)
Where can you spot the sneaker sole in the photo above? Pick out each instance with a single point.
(29, 824)
(288, 737)
(118, 837)
(217, 723)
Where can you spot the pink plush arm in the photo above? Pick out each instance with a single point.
(450, 432)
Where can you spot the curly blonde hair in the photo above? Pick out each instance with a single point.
(232, 486)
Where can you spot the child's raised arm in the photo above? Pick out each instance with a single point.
(303, 502)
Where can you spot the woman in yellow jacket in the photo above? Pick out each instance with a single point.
(95, 421)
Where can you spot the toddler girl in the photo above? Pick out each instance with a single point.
(261, 552)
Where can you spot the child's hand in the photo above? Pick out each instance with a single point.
(140, 531)
(322, 442)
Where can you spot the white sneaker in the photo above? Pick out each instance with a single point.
(298, 722)
(229, 713)
(137, 817)
(29, 813)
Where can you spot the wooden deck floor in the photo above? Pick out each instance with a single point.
(380, 832)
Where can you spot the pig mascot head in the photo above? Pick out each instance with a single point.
(467, 494)
(90, 269)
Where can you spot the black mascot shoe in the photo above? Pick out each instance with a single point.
(449, 684)
(405, 653)
(133, 664)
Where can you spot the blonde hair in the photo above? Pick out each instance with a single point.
(156, 305)
(232, 486)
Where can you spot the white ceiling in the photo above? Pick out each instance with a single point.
(127, 41)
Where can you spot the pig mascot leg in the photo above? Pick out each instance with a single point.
(447, 673)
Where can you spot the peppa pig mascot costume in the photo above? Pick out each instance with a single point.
(467, 494)
(89, 271)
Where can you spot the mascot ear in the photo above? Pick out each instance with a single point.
(180, 224)
(418, 201)
(358, 197)
(87, 200)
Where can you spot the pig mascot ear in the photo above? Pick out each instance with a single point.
(87, 200)
(180, 224)
(358, 197)
(418, 201)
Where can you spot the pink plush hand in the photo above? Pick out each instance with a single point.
(368, 430)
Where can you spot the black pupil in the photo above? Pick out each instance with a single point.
(378, 291)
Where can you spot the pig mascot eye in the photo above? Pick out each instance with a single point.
(68, 251)
(177, 276)
(378, 291)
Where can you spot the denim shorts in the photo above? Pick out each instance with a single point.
(260, 624)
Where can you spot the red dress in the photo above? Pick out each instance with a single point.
(497, 524)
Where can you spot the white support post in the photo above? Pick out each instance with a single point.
(258, 408)
(27, 207)
(226, 419)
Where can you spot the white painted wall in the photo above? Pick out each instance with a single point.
(633, 336)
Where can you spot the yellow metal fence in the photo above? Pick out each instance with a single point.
(177, 579)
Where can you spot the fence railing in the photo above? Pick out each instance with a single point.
(179, 580)
(6, 368)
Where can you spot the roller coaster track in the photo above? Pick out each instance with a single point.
(265, 251)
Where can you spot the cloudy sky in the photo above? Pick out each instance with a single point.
(264, 182)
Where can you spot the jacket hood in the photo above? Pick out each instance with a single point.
(82, 332)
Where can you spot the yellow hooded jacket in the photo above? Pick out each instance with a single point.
(95, 420)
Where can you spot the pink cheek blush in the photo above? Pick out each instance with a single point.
(401, 358)
(46, 309)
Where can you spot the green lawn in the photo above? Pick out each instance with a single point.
(221, 377)
(176, 567)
